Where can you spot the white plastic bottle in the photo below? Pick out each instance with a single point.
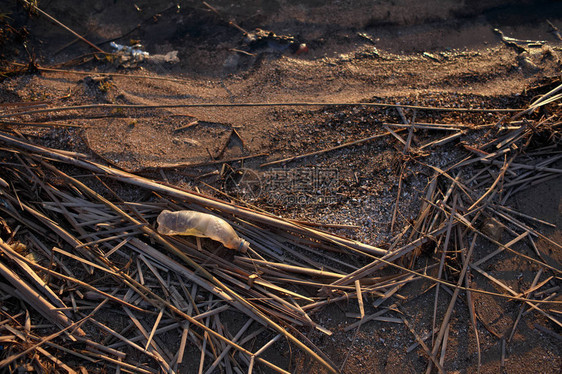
(189, 222)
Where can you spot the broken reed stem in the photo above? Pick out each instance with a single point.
(512, 292)
(424, 346)
(246, 304)
(397, 202)
(291, 268)
(32, 297)
(537, 102)
(443, 330)
(469, 300)
(75, 325)
(198, 199)
(469, 226)
(491, 189)
(522, 307)
(227, 349)
(410, 247)
(200, 164)
(11, 252)
(436, 343)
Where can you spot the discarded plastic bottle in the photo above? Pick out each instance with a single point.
(189, 222)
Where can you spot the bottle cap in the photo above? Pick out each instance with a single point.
(244, 245)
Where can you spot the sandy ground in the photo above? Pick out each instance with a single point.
(433, 53)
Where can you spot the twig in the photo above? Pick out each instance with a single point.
(396, 203)
(509, 290)
(189, 125)
(522, 307)
(443, 330)
(437, 342)
(537, 102)
(154, 328)
(554, 30)
(227, 349)
(503, 207)
(75, 325)
(231, 23)
(130, 76)
(33, 297)
(157, 351)
(219, 155)
(44, 352)
(548, 331)
(445, 140)
(501, 249)
(242, 105)
(11, 252)
(523, 166)
(469, 300)
(424, 346)
(34, 6)
(203, 348)
(315, 153)
(293, 269)
(491, 189)
(39, 124)
(423, 338)
(200, 164)
(360, 298)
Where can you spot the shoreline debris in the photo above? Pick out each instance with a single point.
(260, 39)
(83, 262)
(192, 223)
(130, 55)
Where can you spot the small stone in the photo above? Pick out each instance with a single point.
(493, 228)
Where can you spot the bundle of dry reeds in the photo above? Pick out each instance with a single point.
(86, 281)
